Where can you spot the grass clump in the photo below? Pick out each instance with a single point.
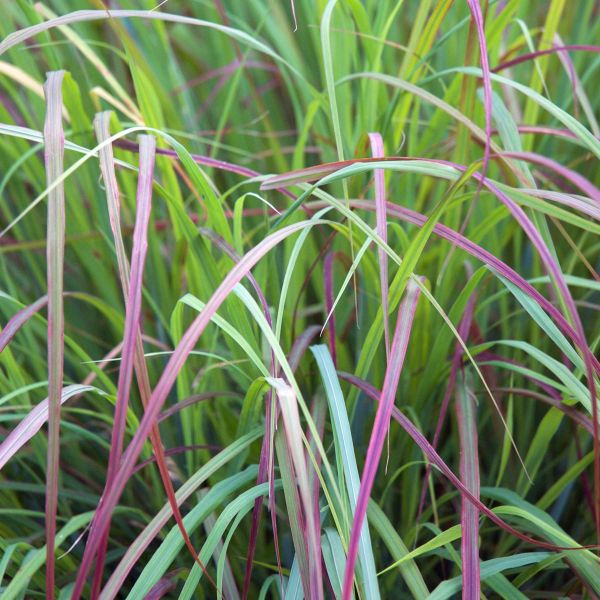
(299, 300)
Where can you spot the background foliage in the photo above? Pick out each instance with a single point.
(464, 282)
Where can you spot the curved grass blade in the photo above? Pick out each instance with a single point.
(554, 50)
(133, 308)
(144, 539)
(33, 422)
(445, 537)
(17, 586)
(489, 259)
(450, 587)
(19, 319)
(240, 505)
(166, 382)
(550, 264)
(436, 460)
(170, 547)
(586, 137)
(22, 35)
(585, 562)
(131, 283)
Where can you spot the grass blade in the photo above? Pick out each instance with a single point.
(475, 9)
(131, 283)
(167, 380)
(293, 435)
(334, 558)
(469, 472)
(489, 568)
(381, 217)
(343, 441)
(486, 257)
(145, 538)
(398, 550)
(18, 37)
(19, 319)
(133, 309)
(437, 460)
(33, 422)
(406, 314)
(18, 584)
(54, 157)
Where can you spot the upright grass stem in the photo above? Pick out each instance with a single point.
(54, 156)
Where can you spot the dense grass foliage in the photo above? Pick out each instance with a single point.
(299, 300)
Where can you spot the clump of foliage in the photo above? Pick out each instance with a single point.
(299, 300)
